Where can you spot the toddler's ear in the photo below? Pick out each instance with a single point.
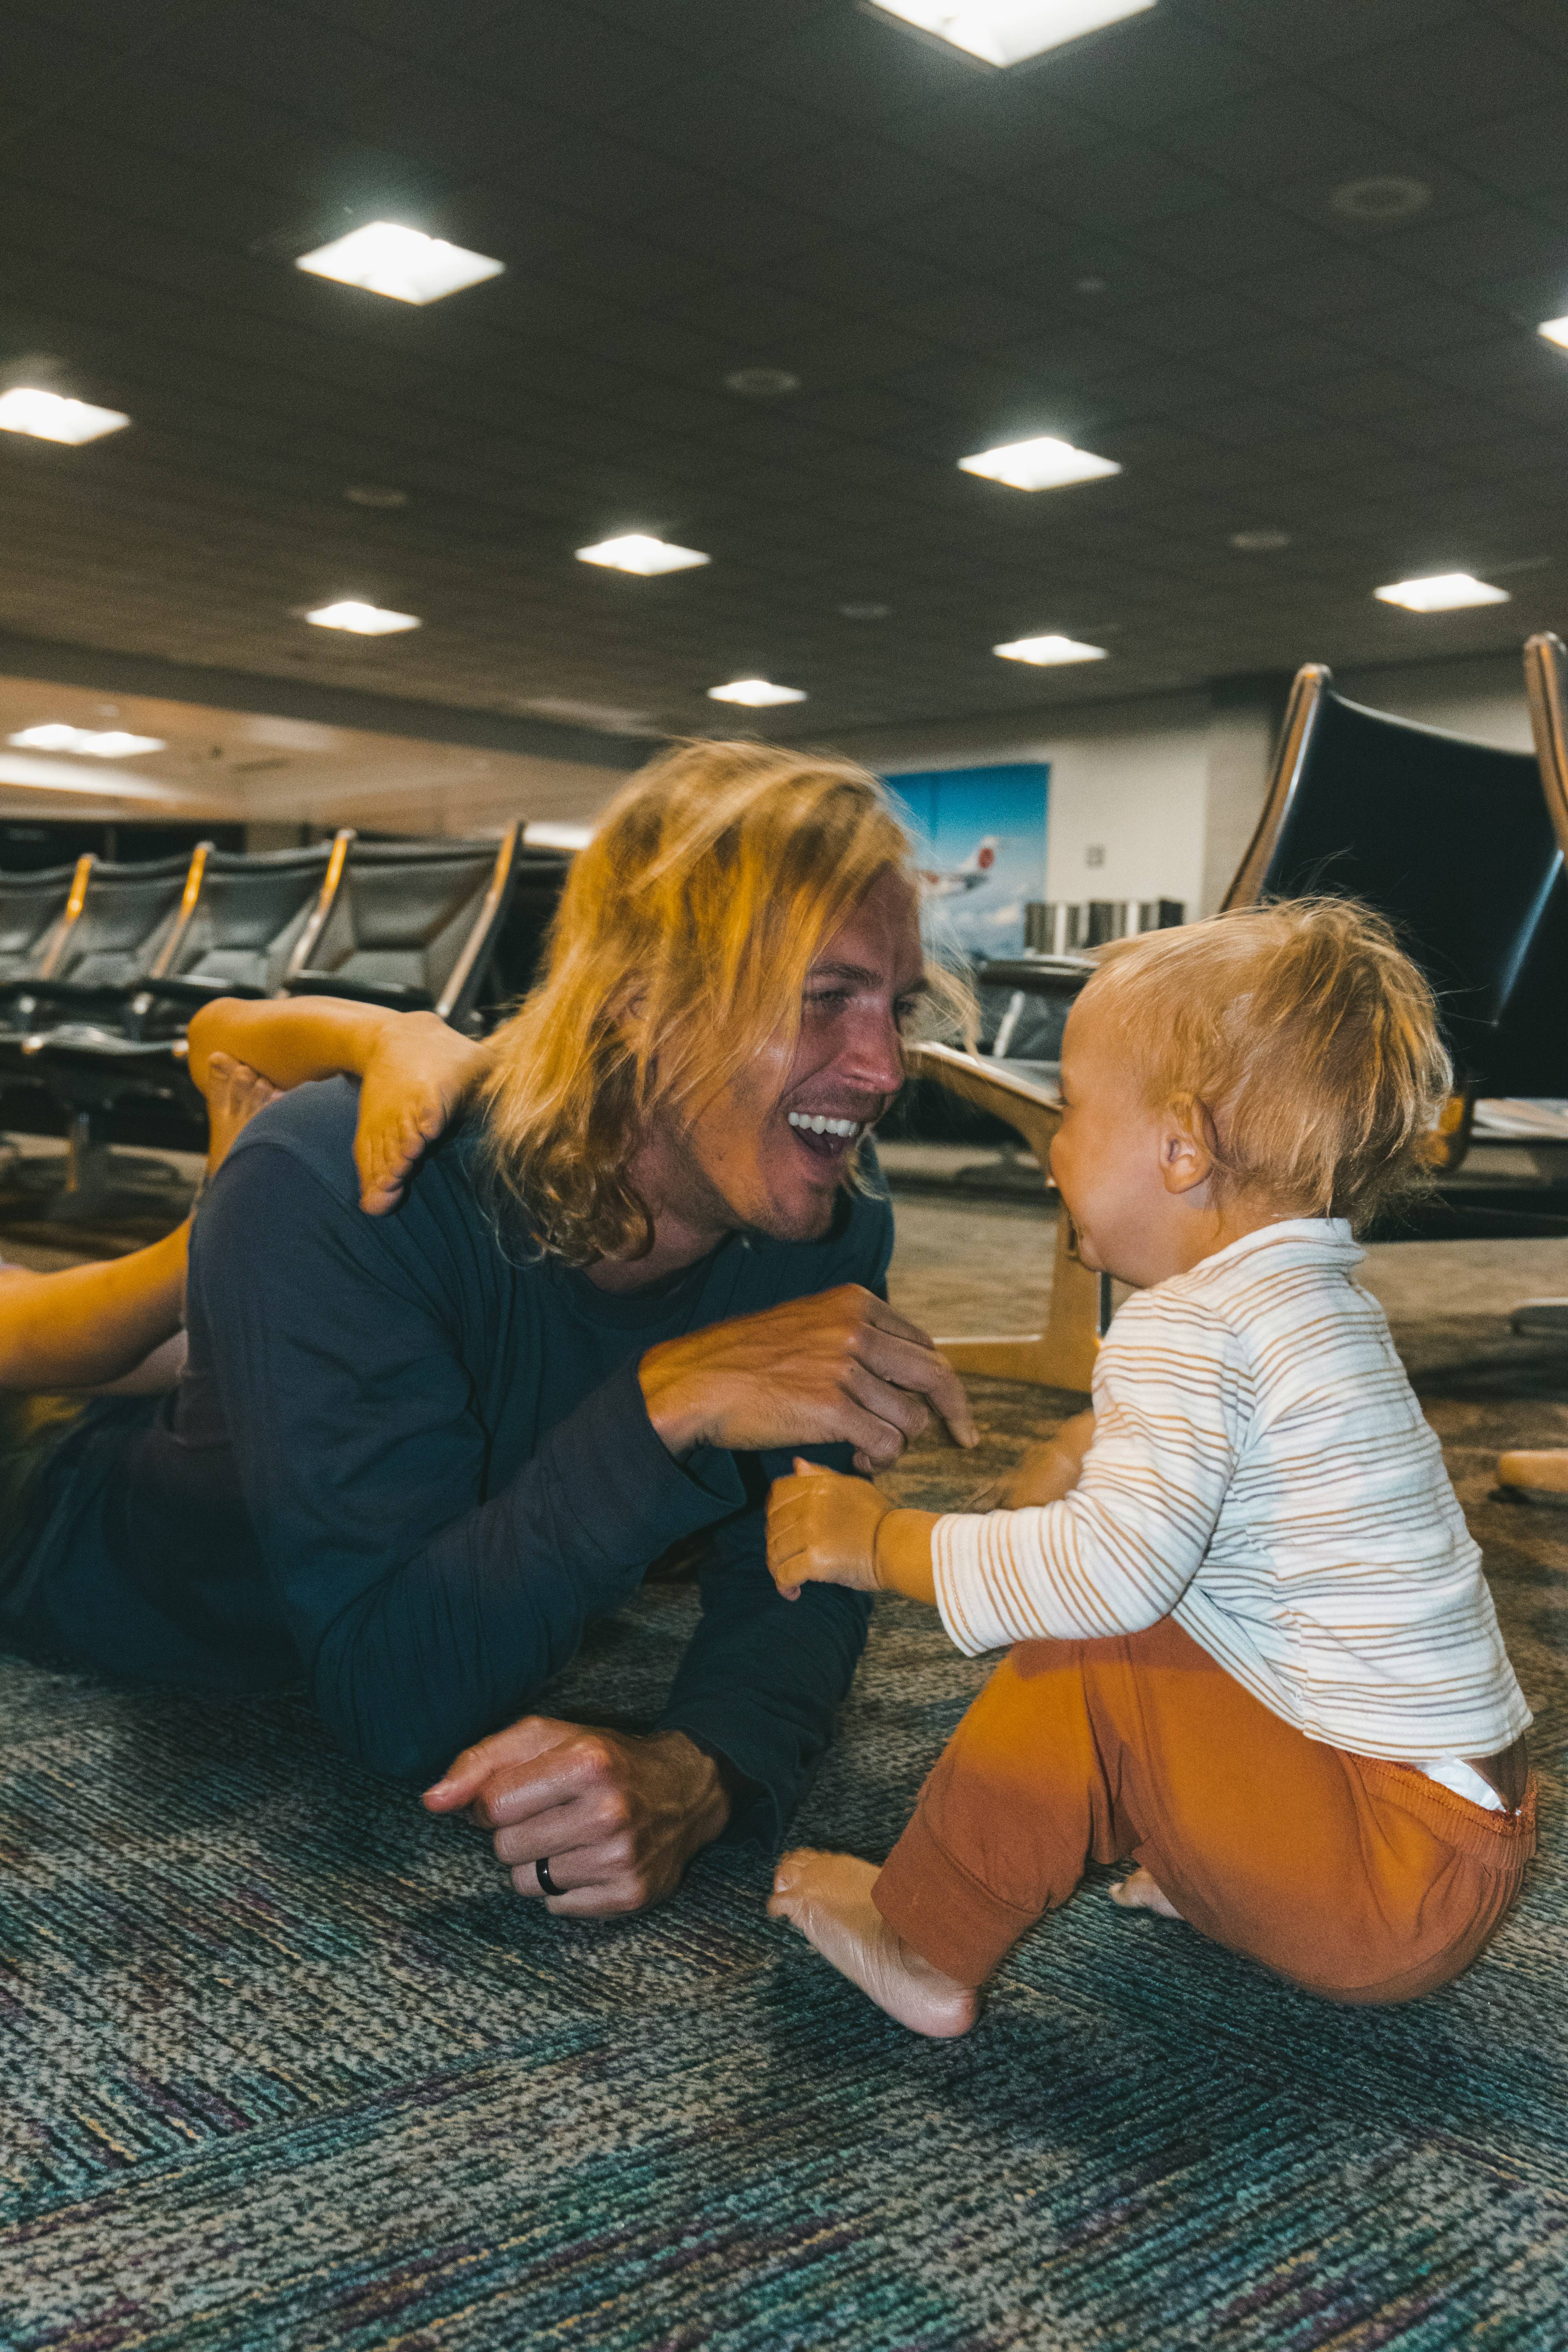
(1186, 1145)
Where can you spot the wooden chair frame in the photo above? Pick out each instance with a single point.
(1062, 1355)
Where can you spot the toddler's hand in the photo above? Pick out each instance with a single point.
(822, 1529)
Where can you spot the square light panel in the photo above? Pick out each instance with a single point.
(47, 417)
(1042, 465)
(1006, 32)
(1555, 331)
(403, 263)
(361, 620)
(637, 552)
(96, 742)
(1444, 592)
(756, 693)
(1047, 650)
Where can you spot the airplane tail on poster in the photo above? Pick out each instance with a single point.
(948, 882)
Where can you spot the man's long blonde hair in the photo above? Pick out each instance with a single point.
(680, 948)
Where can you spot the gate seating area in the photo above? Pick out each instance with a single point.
(1462, 845)
(102, 965)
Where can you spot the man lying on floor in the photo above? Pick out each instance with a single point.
(414, 1456)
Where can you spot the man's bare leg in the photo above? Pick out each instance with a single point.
(829, 1897)
(1140, 1893)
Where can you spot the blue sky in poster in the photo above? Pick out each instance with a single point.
(981, 834)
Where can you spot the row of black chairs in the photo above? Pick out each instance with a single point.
(103, 964)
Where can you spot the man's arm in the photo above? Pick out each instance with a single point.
(425, 1616)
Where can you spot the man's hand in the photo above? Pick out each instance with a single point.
(839, 1369)
(616, 1818)
(822, 1529)
(417, 1073)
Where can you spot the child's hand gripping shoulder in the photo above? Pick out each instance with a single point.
(824, 1528)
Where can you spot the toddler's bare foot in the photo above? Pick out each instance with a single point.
(1140, 1893)
(234, 1094)
(829, 1897)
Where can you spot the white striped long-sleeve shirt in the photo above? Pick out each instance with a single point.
(1261, 1472)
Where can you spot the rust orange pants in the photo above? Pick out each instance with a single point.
(1359, 1880)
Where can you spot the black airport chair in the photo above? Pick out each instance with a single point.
(1459, 844)
(35, 913)
(244, 919)
(256, 917)
(413, 925)
(123, 925)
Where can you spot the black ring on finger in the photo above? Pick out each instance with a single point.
(541, 1872)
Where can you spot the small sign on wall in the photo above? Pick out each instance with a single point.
(980, 842)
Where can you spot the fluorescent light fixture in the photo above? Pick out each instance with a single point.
(97, 742)
(756, 693)
(361, 620)
(386, 258)
(1045, 464)
(637, 552)
(1446, 592)
(1006, 32)
(48, 417)
(544, 832)
(1555, 331)
(1045, 650)
(99, 783)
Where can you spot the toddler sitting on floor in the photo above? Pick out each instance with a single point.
(1253, 1650)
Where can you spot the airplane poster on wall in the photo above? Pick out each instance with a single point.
(980, 846)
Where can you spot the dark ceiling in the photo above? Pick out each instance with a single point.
(1132, 242)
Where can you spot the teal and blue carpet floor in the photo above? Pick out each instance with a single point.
(284, 2063)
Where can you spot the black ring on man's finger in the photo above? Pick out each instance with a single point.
(541, 1872)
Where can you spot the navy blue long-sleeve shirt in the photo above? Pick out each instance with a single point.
(416, 1470)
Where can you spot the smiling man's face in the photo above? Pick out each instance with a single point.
(769, 1151)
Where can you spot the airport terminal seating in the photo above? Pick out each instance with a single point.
(1462, 846)
(34, 910)
(96, 1010)
(413, 925)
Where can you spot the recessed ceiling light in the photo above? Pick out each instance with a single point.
(762, 382)
(866, 612)
(1006, 32)
(756, 693)
(403, 263)
(1259, 543)
(363, 620)
(637, 552)
(98, 743)
(1380, 201)
(50, 417)
(376, 494)
(1045, 464)
(1048, 650)
(1554, 330)
(1444, 592)
(544, 832)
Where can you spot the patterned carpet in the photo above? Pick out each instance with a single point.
(285, 2064)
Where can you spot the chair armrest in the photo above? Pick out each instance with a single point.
(990, 1087)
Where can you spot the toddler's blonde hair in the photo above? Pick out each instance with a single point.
(1302, 1038)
